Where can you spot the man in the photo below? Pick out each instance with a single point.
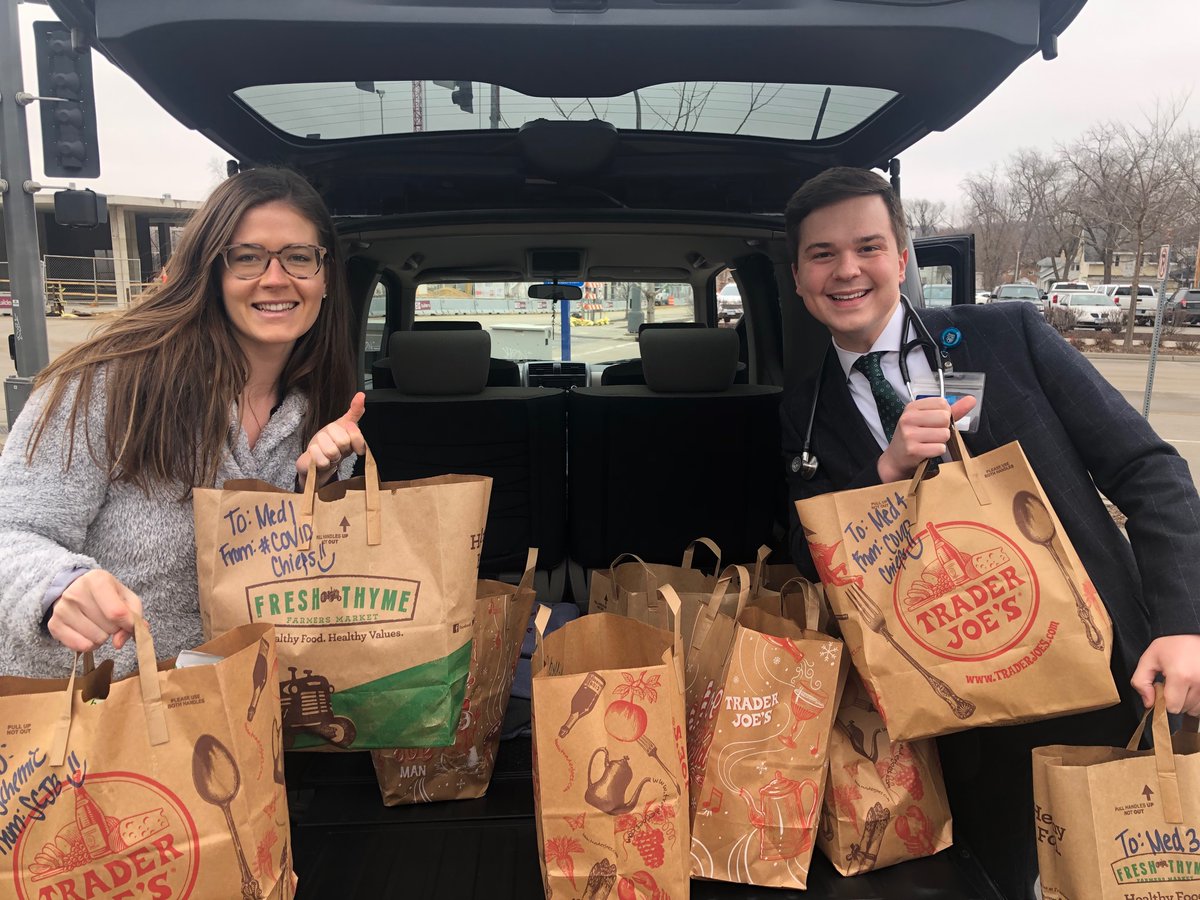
(848, 244)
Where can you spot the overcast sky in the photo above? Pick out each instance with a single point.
(145, 152)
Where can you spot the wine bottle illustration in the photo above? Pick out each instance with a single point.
(260, 678)
(89, 819)
(583, 702)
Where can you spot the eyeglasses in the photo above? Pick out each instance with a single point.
(247, 261)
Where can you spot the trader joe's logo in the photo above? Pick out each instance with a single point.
(118, 836)
(974, 597)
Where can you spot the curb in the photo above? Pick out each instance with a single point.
(1171, 357)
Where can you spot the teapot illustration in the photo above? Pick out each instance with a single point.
(785, 828)
(607, 793)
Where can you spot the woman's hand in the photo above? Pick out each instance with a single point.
(333, 443)
(94, 607)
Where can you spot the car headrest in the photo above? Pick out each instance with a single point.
(689, 361)
(440, 363)
(446, 325)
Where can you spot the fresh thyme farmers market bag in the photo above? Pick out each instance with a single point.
(610, 784)
(371, 589)
(1120, 824)
(165, 784)
(463, 770)
(962, 601)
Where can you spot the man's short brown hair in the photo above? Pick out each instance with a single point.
(833, 186)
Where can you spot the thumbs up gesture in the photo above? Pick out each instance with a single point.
(332, 444)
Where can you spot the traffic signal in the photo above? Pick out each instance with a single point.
(68, 119)
(463, 96)
(80, 209)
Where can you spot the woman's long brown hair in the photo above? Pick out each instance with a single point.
(171, 365)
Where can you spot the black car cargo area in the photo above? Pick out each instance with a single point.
(347, 844)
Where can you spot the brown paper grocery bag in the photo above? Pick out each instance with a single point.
(609, 756)
(960, 598)
(886, 801)
(1120, 824)
(167, 783)
(371, 588)
(611, 589)
(463, 770)
(761, 693)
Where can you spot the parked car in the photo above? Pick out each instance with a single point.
(1084, 309)
(729, 302)
(1061, 287)
(1146, 307)
(1024, 292)
(521, 179)
(1183, 308)
(938, 294)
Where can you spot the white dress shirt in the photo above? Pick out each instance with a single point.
(860, 389)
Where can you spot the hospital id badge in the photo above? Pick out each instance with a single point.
(958, 385)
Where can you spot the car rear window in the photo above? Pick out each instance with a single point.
(604, 324)
(338, 110)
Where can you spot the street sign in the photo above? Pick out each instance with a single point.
(1164, 256)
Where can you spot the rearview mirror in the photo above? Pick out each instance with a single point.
(555, 292)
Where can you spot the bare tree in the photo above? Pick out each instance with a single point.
(925, 217)
(987, 212)
(1138, 169)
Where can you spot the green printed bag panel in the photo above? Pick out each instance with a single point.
(1120, 823)
(364, 583)
(421, 704)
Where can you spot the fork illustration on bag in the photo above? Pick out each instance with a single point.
(873, 619)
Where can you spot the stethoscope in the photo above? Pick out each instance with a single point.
(807, 462)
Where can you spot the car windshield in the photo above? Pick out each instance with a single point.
(603, 325)
(340, 110)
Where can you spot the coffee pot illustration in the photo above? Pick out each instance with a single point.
(785, 827)
(608, 792)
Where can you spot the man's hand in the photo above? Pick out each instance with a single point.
(1177, 658)
(922, 432)
(332, 443)
(94, 606)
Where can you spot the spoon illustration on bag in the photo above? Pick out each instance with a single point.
(215, 774)
(1037, 525)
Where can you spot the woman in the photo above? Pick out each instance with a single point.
(229, 369)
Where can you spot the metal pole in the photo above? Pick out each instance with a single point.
(20, 220)
(1158, 324)
(495, 117)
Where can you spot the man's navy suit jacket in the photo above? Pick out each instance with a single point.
(1079, 434)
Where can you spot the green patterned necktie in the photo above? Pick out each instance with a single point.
(887, 401)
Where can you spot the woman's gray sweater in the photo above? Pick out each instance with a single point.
(54, 517)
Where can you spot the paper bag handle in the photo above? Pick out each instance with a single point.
(651, 581)
(744, 583)
(1164, 756)
(708, 614)
(156, 720)
(760, 565)
(958, 452)
(676, 607)
(689, 553)
(526, 582)
(308, 503)
(812, 606)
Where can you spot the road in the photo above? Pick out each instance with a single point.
(1174, 408)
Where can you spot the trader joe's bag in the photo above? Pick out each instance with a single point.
(612, 589)
(1115, 824)
(371, 589)
(964, 602)
(761, 694)
(609, 760)
(463, 770)
(167, 783)
(886, 801)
